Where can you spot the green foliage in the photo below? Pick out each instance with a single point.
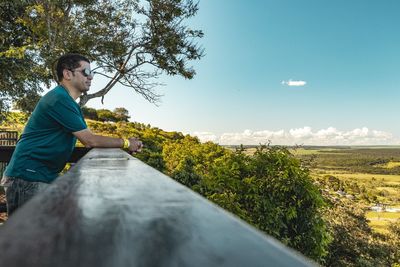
(106, 115)
(28, 102)
(284, 201)
(393, 240)
(354, 242)
(21, 73)
(108, 129)
(153, 138)
(153, 142)
(121, 114)
(89, 113)
(270, 189)
(14, 121)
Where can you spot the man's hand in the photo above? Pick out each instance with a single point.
(135, 145)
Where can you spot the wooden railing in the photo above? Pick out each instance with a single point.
(8, 138)
(111, 209)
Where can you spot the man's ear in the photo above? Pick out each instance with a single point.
(67, 74)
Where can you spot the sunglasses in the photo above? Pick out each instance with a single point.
(85, 72)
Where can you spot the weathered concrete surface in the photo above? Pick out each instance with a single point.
(113, 210)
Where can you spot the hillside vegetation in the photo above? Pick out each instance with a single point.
(269, 188)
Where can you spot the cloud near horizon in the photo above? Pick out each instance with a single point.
(302, 136)
(294, 83)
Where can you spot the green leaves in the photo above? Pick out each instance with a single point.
(270, 189)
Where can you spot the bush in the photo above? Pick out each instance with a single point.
(270, 189)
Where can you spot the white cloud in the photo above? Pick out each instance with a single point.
(206, 136)
(303, 136)
(294, 83)
(301, 132)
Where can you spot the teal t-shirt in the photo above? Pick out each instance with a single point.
(47, 141)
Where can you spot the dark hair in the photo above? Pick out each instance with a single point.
(70, 62)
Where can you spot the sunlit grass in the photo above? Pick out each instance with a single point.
(390, 190)
(380, 226)
(300, 151)
(385, 178)
(379, 221)
(309, 151)
(303, 151)
(375, 215)
(390, 165)
(250, 151)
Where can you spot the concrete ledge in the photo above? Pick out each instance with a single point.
(111, 209)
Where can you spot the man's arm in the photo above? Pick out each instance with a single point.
(88, 139)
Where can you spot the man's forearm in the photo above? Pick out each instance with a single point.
(105, 141)
(88, 139)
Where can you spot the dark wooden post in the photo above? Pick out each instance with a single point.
(111, 209)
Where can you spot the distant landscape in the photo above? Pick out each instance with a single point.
(368, 175)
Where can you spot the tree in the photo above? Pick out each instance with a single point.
(28, 102)
(106, 115)
(21, 73)
(282, 200)
(130, 42)
(394, 241)
(122, 114)
(90, 113)
(354, 242)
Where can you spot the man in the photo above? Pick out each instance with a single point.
(51, 132)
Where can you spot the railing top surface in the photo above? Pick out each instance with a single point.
(111, 209)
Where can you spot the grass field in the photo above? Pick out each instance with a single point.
(311, 151)
(390, 165)
(384, 178)
(379, 221)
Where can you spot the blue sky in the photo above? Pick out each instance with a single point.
(345, 54)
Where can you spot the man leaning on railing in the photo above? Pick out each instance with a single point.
(51, 132)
